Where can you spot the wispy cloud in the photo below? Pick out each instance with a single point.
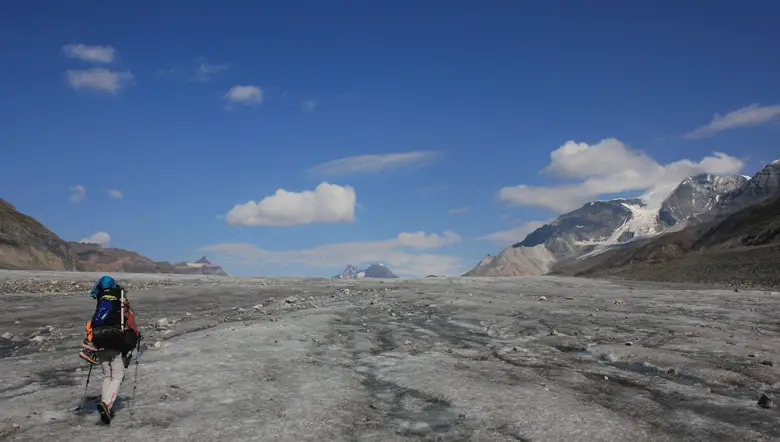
(115, 194)
(753, 115)
(327, 203)
(94, 54)
(309, 106)
(402, 254)
(611, 167)
(458, 210)
(77, 193)
(99, 79)
(205, 70)
(197, 70)
(102, 238)
(374, 163)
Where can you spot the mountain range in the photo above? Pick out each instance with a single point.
(110, 259)
(26, 244)
(601, 234)
(709, 226)
(372, 271)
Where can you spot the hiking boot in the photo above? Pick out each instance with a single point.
(89, 356)
(105, 413)
(88, 345)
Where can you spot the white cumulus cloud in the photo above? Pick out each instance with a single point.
(77, 193)
(373, 163)
(94, 54)
(99, 79)
(753, 115)
(610, 167)
(115, 194)
(244, 94)
(327, 203)
(401, 254)
(102, 238)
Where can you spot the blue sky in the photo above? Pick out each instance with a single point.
(195, 116)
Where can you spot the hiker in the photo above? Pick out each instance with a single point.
(110, 339)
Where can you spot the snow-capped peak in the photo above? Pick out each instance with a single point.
(372, 271)
(775, 162)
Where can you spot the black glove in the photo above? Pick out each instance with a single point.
(126, 358)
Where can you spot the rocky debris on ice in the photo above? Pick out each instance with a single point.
(82, 283)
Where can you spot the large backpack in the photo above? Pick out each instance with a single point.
(107, 330)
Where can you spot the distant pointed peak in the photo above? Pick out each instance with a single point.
(374, 270)
(203, 260)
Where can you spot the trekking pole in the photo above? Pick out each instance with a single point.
(81, 407)
(135, 377)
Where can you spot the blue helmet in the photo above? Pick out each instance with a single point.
(104, 283)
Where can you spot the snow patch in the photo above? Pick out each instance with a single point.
(643, 222)
(196, 264)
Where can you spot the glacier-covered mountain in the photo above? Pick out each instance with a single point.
(599, 225)
(373, 271)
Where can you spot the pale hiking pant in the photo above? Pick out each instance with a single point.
(113, 372)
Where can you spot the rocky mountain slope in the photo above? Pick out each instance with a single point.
(516, 261)
(763, 185)
(698, 195)
(755, 225)
(96, 258)
(599, 226)
(372, 271)
(26, 244)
